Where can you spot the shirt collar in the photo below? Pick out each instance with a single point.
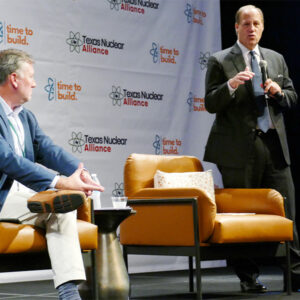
(246, 51)
(7, 109)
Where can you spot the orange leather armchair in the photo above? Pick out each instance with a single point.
(185, 221)
(24, 247)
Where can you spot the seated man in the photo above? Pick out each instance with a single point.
(22, 144)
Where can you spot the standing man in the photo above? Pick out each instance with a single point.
(248, 140)
(22, 145)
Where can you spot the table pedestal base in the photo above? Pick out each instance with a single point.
(113, 280)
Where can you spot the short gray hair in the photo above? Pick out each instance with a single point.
(11, 61)
(241, 9)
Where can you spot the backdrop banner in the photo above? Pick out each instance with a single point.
(116, 77)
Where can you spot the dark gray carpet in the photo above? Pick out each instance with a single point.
(217, 284)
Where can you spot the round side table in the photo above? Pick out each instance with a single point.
(112, 276)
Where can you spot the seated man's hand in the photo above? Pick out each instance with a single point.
(80, 180)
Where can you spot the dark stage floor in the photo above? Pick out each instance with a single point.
(217, 284)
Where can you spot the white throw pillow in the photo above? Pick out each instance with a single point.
(201, 180)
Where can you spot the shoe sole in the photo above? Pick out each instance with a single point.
(60, 204)
(254, 291)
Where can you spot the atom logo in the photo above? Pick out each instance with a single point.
(76, 142)
(190, 101)
(203, 60)
(116, 96)
(154, 52)
(50, 89)
(115, 4)
(156, 144)
(1, 32)
(74, 41)
(189, 13)
(119, 190)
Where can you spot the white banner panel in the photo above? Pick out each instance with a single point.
(117, 77)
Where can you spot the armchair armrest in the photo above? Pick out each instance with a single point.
(168, 222)
(206, 206)
(260, 201)
(84, 212)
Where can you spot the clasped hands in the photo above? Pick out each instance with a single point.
(80, 180)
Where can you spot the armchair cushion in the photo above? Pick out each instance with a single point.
(20, 238)
(201, 180)
(245, 228)
(259, 201)
(17, 238)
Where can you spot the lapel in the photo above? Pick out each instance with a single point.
(237, 58)
(239, 63)
(28, 140)
(4, 128)
(272, 71)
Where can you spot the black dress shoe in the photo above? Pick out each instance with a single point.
(252, 287)
(295, 283)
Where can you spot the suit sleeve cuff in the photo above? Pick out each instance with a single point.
(231, 90)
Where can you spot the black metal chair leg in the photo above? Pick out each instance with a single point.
(197, 250)
(191, 274)
(288, 277)
(125, 257)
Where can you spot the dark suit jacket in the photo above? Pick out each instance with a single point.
(39, 148)
(231, 138)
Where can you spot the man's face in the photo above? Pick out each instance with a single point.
(250, 28)
(26, 82)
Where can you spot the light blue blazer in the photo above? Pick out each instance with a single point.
(39, 148)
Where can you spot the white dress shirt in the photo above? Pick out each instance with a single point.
(247, 59)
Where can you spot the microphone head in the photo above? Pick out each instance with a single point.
(263, 64)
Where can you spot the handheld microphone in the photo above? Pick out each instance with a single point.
(263, 68)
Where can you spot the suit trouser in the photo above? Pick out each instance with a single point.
(61, 234)
(266, 168)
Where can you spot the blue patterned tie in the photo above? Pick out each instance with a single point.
(263, 111)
